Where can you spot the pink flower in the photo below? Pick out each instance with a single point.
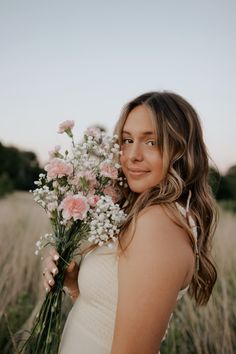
(54, 152)
(93, 199)
(108, 170)
(58, 168)
(93, 131)
(88, 175)
(66, 126)
(52, 206)
(74, 206)
(112, 193)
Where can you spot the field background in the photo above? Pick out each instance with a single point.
(211, 329)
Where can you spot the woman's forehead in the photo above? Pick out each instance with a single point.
(139, 120)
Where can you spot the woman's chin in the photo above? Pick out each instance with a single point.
(137, 189)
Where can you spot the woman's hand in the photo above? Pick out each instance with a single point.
(71, 275)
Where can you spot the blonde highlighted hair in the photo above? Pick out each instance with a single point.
(186, 166)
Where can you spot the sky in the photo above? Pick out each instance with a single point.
(83, 60)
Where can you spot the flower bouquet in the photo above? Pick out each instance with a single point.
(79, 194)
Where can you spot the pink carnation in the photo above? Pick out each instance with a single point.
(93, 199)
(58, 168)
(54, 152)
(108, 170)
(66, 125)
(75, 207)
(112, 193)
(93, 131)
(52, 206)
(88, 175)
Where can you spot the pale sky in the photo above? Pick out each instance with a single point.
(83, 60)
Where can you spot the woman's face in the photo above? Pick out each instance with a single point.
(141, 160)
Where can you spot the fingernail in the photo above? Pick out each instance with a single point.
(54, 271)
(47, 290)
(56, 257)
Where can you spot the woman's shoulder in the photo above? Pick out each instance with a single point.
(156, 232)
(153, 212)
(159, 219)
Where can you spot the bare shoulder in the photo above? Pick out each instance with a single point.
(157, 237)
(151, 273)
(153, 216)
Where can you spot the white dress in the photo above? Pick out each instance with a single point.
(90, 325)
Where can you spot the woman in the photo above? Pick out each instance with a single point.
(124, 297)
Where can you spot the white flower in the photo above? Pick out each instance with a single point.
(107, 219)
(38, 244)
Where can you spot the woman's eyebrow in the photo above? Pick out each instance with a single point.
(147, 133)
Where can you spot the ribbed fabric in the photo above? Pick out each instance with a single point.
(90, 325)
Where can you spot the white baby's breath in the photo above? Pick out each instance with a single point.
(107, 218)
(87, 179)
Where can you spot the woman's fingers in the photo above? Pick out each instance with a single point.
(53, 253)
(50, 266)
(49, 278)
(50, 269)
(47, 287)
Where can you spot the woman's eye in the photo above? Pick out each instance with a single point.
(151, 143)
(127, 141)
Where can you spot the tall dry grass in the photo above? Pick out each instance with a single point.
(210, 329)
(22, 222)
(207, 330)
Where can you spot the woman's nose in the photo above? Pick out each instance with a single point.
(135, 152)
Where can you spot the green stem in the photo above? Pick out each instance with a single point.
(43, 315)
(64, 260)
(49, 330)
(46, 333)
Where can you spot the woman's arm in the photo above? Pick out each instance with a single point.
(156, 265)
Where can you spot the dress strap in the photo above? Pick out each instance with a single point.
(188, 200)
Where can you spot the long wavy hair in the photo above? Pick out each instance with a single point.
(186, 168)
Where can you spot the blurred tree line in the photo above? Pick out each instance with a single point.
(18, 169)
(223, 186)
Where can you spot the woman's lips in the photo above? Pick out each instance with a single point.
(136, 172)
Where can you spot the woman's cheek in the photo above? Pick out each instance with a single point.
(122, 160)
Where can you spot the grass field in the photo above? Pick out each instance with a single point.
(211, 329)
